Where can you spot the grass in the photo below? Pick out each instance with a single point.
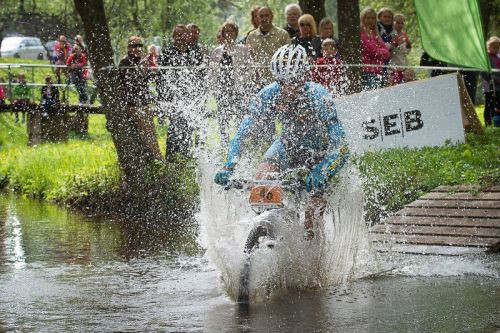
(36, 75)
(396, 177)
(84, 173)
(57, 171)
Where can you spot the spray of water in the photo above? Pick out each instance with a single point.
(339, 252)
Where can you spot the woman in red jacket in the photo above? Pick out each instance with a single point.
(373, 50)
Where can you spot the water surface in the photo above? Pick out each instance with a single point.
(61, 271)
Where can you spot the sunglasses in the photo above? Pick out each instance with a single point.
(136, 45)
(305, 24)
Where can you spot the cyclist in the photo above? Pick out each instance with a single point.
(312, 136)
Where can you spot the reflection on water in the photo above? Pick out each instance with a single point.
(39, 232)
(60, 271)
(12, 234)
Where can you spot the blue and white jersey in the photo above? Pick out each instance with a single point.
(309, 122)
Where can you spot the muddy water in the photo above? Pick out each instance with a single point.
(60, 271)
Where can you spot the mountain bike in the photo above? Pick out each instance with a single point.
(271, 200)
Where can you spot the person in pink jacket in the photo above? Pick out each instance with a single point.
(373, 50)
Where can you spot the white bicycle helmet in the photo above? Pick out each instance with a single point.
(289, 62)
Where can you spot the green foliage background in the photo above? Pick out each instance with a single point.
(156, 18)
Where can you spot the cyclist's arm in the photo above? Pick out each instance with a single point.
(258, 107)
(237, 142)
(338, 150)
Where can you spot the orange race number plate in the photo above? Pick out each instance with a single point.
(266, 196)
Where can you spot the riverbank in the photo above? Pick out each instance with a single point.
(83, 172)
(397, 177)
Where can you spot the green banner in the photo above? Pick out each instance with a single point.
(452, 32)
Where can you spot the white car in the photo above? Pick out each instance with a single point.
(23, 47)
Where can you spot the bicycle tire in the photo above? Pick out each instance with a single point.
(251, 244)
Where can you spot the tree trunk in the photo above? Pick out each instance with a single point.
(134, 7)
(350, 41)
(20, 8)
(485, 7)
(136, 154)
(314, 7)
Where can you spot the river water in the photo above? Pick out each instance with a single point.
(61, 271)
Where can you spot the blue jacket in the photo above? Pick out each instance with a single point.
(309, 122)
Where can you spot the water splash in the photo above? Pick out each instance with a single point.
(340, 252)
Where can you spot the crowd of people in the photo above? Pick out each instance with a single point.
(238, 67)
(72, 67)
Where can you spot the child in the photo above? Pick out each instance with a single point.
(50, 96)
(21, 97)
(329, 71)
(401, 47)
(491, 84)
(152, 57)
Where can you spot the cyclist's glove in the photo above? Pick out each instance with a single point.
(316, 179)
(222, 176)
(327, 168)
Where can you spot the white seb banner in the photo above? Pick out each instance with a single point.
(416, 114)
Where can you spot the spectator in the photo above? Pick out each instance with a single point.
(76, 63)
(199, 50)
(292, 14)
(152, 57)
(491, 84)
(263, 42)
(401, 47)
(229, 71)
(254, 19)
(62, 50)
(2, 92)
(326, 31)
(21, 96)
(79, 42)
(199, 56)
(307, 37)
(373, 50)
(409, 75)
(50, 96)
(179, 91)
(330, 72)
(427, 60)
(385, 27)
(134, 91)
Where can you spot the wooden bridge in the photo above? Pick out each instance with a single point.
(450, 220)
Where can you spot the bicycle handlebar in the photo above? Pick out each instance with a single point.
(247, 184)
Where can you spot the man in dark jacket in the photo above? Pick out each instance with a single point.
(135, 77)
(292, 15)
(181, 89)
